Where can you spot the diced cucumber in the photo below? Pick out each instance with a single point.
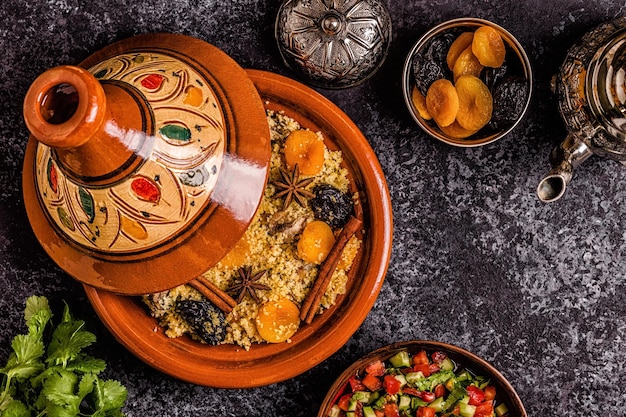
(413, 377)
(400, 359)
(352, 404)
(362, 396)
(401, 378)
(501, 409)
(467, 410)
(335, 411)
(437, 404)
(380, 402)
(350, 414)
(455, 395)
(417, 402)
(465, 399)
(447, 364)
(368, 411)
(404, 403)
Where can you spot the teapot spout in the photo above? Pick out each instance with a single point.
(563, 159)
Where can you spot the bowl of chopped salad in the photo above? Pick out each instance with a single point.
(422, 379)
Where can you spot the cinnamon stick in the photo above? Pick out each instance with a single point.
(313, 298)
(214, 294)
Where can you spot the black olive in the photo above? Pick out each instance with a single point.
(206, 320)
(331, 205)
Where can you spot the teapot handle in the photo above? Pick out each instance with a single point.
(563, 158)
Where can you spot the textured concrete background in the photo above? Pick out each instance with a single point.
(536, 289)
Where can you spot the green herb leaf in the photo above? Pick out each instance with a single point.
(67, 341)
(63, 384)
(14, 408)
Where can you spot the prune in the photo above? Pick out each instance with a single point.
(492, 76)
(430, 64)
(206, 320)
(509, 98)
(331, 205)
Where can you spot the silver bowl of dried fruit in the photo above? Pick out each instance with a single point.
(467, 82)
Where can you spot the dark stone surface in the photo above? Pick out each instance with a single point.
(478, 261)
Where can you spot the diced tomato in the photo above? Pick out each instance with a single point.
(344, 401)
(456, 410)
(376, 368)
(424, 368)
(425, 412)
(440, 391)
(434, 367)
(356, 384)
(373, 383)
(484, 410)
(420, 357)
(438, 356)
(476, 395)
(379, 413)
(391, 410)
(490, 393)
(391, 384)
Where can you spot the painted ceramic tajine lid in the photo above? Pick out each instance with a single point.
(146, 163)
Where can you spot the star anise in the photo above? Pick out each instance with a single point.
(248, 284)
(292, 187)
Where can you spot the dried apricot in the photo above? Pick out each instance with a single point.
(475, 102)
(467, 64)
(419, 101)
(316, 241)
(459, 45)
(305, 148)
(442, 102)
(456, 131)
(278, 320)
(488, 47)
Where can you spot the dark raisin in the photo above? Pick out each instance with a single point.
(206, 320)
(331, 205)
(509, 99)
(429, 64)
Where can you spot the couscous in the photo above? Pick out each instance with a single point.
(281, 268)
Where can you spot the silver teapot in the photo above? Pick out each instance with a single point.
(591, 91)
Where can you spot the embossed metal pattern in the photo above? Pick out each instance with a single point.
(173, 185)
(333, 43)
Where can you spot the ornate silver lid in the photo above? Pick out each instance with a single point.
(333, 43)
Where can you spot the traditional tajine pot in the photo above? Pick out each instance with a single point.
(146, 162)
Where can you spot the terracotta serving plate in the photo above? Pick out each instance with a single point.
(230, 366)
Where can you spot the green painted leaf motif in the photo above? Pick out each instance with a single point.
(175, 132)
(65, 219)
(87, 203)
(101, 73)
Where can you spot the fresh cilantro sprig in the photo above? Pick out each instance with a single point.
(48, 373)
